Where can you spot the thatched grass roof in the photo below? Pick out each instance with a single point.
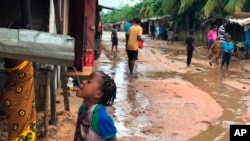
(241, 15)
(241, 18)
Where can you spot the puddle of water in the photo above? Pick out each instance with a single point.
(228, 98)
(159, 75)
(130, 106)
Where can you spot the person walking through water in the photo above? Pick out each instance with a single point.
(222, 31)
(211, 37)
(128, 24)
(227, 49)
(18, 96)
(152, 30)
(190, 47)
(216, 50)
(247, 42)
(93, 121)
(135, 33)
(171, 34)
(160, 32)
(114, 39)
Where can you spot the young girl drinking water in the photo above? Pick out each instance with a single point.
(94, 123)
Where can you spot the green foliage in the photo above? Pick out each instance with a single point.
(205, 8)
(170, 7)
(115, 16)
(209, 7)
(178, 9)
(246, 6)
(151, 8)
(186, 5)
(234, 6)
(126, 12)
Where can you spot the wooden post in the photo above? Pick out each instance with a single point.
(53, 98)
(47, 106)
(52, 17)
(65, 90)
(65, 17)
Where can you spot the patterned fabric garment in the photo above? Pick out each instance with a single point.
(84, 130)
(18, 100)
(217, 49)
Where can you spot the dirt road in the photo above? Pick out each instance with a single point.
(166, 100)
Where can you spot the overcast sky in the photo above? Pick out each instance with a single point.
(117, 3)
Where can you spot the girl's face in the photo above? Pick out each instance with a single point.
(91, 88)
(228, 39)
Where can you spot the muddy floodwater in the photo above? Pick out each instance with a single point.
(166, 100)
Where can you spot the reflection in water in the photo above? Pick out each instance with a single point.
(129, 104)
(227, 97)
(130, 107)
(122, 104)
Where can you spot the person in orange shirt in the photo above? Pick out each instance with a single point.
(135, 33)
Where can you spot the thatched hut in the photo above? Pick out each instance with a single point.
(236, 25)
(236, 28)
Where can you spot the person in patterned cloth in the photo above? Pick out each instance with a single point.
(18, 96)
(18, 100)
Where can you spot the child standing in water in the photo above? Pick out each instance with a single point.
(228, 48)
(190, 47)
(93, 121)
(114, 38)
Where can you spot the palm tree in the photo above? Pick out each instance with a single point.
(220, 8)
(204, 9)
(246, 6)
(170, 7)
(234, 6)
(183, 10)
(151, 8)
(135, 10)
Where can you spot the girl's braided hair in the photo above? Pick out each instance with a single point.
(108, 87)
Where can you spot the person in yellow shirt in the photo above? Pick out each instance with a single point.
(134, 35)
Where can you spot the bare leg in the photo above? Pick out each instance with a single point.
(216, 61)
(222, 65)
(115, 53)
(112, 50)
(213, 59)
(131, 64)
(227, 64)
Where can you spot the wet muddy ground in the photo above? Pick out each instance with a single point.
(169, 101)
(165, 100)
